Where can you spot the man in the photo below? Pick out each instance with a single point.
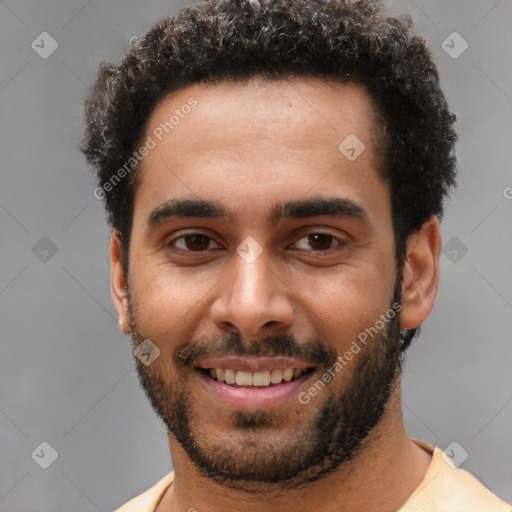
(274, 175)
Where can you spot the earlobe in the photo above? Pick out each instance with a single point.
(118, 291)
(421, 274)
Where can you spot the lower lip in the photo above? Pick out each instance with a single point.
(254, 397)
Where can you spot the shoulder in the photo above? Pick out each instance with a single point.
(148, 500)
(448, 488)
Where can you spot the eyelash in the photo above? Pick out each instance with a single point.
(341, 243)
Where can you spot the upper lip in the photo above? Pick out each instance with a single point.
(253, 364)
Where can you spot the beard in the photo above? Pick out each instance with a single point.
(270, 447)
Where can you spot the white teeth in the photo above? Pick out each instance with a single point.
(242, 378)
(229, 376)
(261, 378)
(288, 374)
(276, 376)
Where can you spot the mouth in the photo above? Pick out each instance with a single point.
(249, 383)
(262, 379)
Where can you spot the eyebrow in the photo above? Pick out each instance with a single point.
(296, 209)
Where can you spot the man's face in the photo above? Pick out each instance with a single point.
(268, 288)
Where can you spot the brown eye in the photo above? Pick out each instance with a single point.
(194, 242)
(197, 242)
(320, 241)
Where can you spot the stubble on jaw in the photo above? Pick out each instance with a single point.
(248, 459)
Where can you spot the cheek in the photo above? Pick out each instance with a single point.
(172, 304)
(342, 304)
(166, 297)
(335, 303)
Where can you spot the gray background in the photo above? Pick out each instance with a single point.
(66, 372)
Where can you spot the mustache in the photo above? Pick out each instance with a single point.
(313, 351)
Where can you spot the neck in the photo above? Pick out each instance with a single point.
(389, 464)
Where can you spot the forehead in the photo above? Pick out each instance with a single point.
(289, 110)
(234, 141)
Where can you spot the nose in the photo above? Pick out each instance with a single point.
(253, 300)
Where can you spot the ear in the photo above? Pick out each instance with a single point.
(421, 274)
(118, 290)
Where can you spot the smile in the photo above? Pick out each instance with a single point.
(248, 383)
(256, 379)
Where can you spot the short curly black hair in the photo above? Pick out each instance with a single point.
(350, 41)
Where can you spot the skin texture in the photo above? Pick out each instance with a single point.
(249, 146)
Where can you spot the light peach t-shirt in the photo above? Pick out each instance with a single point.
(445, 488)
